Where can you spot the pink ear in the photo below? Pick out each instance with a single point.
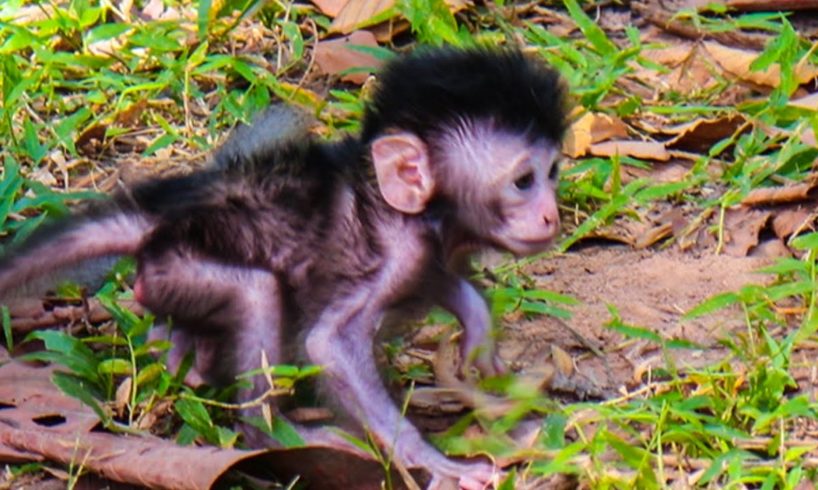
(402, 168)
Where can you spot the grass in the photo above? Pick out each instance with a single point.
(87, 88)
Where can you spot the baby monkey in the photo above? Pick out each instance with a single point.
(457, 151)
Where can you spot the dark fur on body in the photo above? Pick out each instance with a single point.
(276, 211)
(300, 234)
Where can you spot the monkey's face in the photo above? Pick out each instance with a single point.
(526, 199)
(502, 185)
(505, 187)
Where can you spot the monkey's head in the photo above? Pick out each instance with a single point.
(477, 129)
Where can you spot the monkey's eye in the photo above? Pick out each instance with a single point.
(525, 182)
(554, 172)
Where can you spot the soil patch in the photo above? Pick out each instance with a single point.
(649, 289)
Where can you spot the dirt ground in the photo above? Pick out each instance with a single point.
(650, 289)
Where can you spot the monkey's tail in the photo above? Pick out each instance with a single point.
(72, 241)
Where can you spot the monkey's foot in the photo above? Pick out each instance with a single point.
(488, 363)
(468, 475)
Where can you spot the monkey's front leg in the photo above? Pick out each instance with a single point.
(342, 341)
(477, 347)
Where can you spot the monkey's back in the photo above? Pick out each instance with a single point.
(292, 209)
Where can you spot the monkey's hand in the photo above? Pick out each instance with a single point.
(477, 346)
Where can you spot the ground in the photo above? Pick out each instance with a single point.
(649, 288)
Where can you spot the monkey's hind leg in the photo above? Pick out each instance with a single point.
(231, 315)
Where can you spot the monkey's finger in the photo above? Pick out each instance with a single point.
(482, 481)
(487, 362)
(442, 483)
(499, 365)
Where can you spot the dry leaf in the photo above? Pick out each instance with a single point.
(620, 231)
(771, 5)
(810, 102)
(701, 134)
(43, 176)
(670, 172)
(31, 13)
(330, 8)
(440, 400)
(771, 248)
(592, 128)
(334, 57)
(386, 31)
(807, 137)
(358, 13)
(153, 10)
(790, 221)
(107, 47)
(737, 62)
(647, 150)
(654, 235)
(90, 140)
(123, 395)
(26, 315)
(670, 56)
(129, 116)
(689, 73)
(562, 360)
(778, 195)
(41, 423)
(742, 226)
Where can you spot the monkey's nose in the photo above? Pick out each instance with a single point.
(552, 224)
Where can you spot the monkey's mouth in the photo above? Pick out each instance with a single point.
(524, 247)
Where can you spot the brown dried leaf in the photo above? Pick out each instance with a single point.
(742, 226)
(153, 10)
(129, 117)
(358, 13)
(386, 31)
(27, 316)
(778, 195)
(790, 221)
(737, 62)
(31, 13)
(592, 128)
(43, 176)
(671, 55)
(123, 395)
(622, 230)
(810, 102)
(90, 141)
(562, 360)
(441, 400)
(334, 57)
(32, 396)
(310, 415)
(701, 134)
(330, 8)
(808, 138)
(647, 150)
(653, 235)
(39, 423)
(771, 248)
(771, 5)
(689, 73)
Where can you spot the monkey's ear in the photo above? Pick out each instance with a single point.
(402, 167)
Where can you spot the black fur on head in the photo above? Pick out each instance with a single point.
(431, 90)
